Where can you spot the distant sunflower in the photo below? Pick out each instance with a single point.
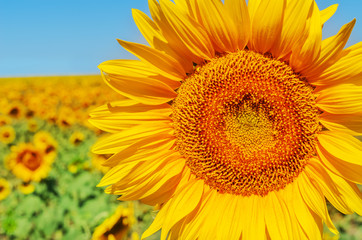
(32, 125)
(16, 109)
(116, 226)
(240, 120)
(28, 162)
(76, 138)
(4, 120)
(44, 141)
(4, 188)
(26, 188)
(7, 134)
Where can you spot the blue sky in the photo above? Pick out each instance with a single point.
(64, 37)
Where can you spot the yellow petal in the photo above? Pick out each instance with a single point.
(167, 65)
(342, 146)
(188, 30)
(304, 215)
(158, 221)
(129, 106)
(317, 172)
(142, 149)
(115, 119)
(313, 197)
(348, 68)
(350, 191)
(219, 26)
(144, 90)
(328, 12)
(266, 24)
(115, 142)
(196, 221)
(347, 123)
(172, 39)
(295, 18)
(115, 174)
(330, 51)
(238, 11)
(229, 224)
(210, 215)
(153, 184)
(277, 218)
(288, 196)
(154, 37)
(185, 201)
(308, 48)
(147, 27)
(341, 99)
(349, 171)
(254, 225)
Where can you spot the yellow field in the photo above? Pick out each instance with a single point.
(48, 176)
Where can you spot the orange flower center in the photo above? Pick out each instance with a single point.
(245, 123)
(30, 159)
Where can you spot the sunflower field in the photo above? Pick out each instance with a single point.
(49, 175)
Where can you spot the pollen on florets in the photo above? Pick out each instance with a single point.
(246, 123)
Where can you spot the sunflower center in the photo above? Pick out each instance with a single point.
(30, 159)
(245, 123)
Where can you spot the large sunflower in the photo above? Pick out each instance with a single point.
(239, 119)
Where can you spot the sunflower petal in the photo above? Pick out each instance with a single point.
(328, 12)
(142, 149)
(349, 171)
(115, 142)
(147, 27)
(184, 201)
(342, 146)
(346, 123)
(188, 30)
(239, 13)
(319, 175)
(348, 69)
(350, 191)
(254, 226)
(266, 23)
(304, 215)
(277, 218)
(330, 50)
(341, 99)
(146, 91)
(166, 65)
(151, 184)
(157, 222)
(308, 48)
(296, 14)
(221, 29)
(315, 200)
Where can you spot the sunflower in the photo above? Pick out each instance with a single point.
(240, 120)
(16, 109)
(33, 125)
(4, 188)
(26, 188)
(44, 141)
(28, 162)
(7, 134)
(76, 138)
(4, 120)
(116, 226)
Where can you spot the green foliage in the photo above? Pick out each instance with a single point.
(65, 205)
